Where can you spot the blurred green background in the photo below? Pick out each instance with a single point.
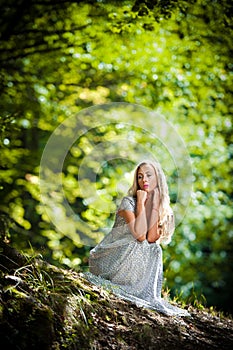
(174, 57)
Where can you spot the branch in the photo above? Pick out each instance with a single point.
(10, 258)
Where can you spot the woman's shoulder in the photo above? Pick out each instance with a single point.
(129, 199)
(128, 203)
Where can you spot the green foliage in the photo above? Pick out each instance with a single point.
(175, 59)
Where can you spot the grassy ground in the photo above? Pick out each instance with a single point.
(43, 307)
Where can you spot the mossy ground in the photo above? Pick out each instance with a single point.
(44, 307)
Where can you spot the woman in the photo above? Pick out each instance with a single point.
(128, 261)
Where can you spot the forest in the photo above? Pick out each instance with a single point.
(88, 88)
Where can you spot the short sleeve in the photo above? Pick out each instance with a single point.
(128, 203)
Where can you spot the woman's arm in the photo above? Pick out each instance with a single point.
(152, 207)
(137, 223)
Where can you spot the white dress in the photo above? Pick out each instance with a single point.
(130, 269)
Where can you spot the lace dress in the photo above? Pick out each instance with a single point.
(130, 269)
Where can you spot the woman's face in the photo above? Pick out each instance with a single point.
(147, 179)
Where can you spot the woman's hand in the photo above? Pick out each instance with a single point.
(141, 196)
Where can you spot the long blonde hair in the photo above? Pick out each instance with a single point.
(166, 216)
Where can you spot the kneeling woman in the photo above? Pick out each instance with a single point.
(128, 261)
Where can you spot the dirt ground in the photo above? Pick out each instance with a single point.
(133, 328)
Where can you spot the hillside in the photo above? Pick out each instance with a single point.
(44, 307)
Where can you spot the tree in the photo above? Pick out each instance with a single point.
(58, 58)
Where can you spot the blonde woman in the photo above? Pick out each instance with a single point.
(128, 261)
